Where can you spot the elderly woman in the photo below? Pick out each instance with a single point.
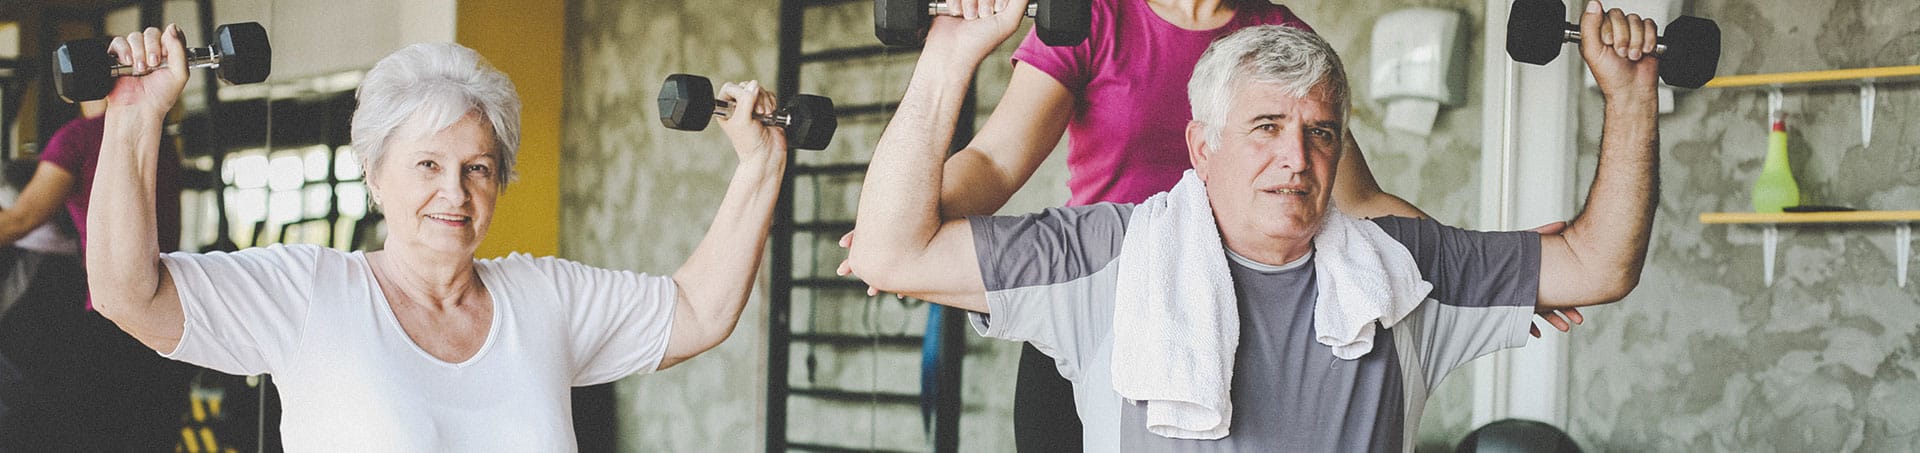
(418, 347)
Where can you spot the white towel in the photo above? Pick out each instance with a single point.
(1176, 325)
(1364, 279)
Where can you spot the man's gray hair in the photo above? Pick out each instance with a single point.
(1295, 59)
(430, 86)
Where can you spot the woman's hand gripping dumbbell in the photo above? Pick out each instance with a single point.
(239, 54)
(687, 104)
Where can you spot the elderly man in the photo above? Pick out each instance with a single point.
(1239, 311)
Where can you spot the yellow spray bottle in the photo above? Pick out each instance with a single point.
(1775, 189)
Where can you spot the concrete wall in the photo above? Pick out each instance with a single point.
(1704, 356)
(638, 196)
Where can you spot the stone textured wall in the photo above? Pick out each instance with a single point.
(638, 196)
(1704, 356)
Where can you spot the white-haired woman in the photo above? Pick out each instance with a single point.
(418, 347)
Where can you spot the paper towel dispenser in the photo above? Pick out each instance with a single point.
(1417, 66)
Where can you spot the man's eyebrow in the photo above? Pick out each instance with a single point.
(1268, 117)
(1329, 124)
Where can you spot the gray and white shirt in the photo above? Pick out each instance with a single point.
(1050, 280)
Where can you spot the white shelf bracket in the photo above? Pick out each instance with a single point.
(1903, 246)
(1771, 237)
(1775, 101)
(1867, 96)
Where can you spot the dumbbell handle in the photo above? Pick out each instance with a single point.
(781, 118)
(946, 9)
(1572, 35)
(197, 57)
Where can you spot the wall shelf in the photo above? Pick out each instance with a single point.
(1866, 79)
(1739, 218)
(1837, 77)
(1770, 223)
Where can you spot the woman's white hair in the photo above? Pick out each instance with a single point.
(428, 87)
(1295, 59)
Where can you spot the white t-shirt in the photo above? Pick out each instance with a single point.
(352, 380)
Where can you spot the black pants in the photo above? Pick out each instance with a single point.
(1044, 419)
(78, 383)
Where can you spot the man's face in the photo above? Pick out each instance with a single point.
(1272, 176)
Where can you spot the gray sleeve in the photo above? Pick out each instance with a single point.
(1049, 278)
(1050, 247)
(1472, 268)
(1485, 286)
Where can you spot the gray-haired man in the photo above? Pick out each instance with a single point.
(1270, 108)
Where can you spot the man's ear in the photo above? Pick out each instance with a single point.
(1198, 153)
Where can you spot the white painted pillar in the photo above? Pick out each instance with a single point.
(1528, 166)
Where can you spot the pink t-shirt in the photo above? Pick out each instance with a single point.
(1127, 138)
(76, 148)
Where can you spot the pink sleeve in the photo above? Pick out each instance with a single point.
(1068, 65)
(67, 150)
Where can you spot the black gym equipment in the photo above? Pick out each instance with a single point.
(1517, 436)
(1689, 53)
(687, 104)
(905, 22)
(240, 54)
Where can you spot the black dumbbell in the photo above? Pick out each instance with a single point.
(1689, 53)
(687, 104)
(239, 54)
(905, 22)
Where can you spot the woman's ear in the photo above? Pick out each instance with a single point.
(373, 190)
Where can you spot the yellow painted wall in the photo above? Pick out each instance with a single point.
(526, 40)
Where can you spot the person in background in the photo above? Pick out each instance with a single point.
(82, 383)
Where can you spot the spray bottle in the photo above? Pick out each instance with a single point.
(1775, 188)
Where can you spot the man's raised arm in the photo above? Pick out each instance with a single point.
(904, 245)
(1599, 257)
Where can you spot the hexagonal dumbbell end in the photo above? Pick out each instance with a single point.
(1535, 30)
(82, 70)
(1063, 22)
(812, 122)
(686, 102)
(901, 22)
(245, 54)
(1692, 53)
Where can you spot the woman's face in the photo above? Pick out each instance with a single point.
(438, 190)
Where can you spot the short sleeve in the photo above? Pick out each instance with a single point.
(1049, 278)
(620, 320)
(245, 311)
(73, 146)
(1485, 287)
(1072, 66)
